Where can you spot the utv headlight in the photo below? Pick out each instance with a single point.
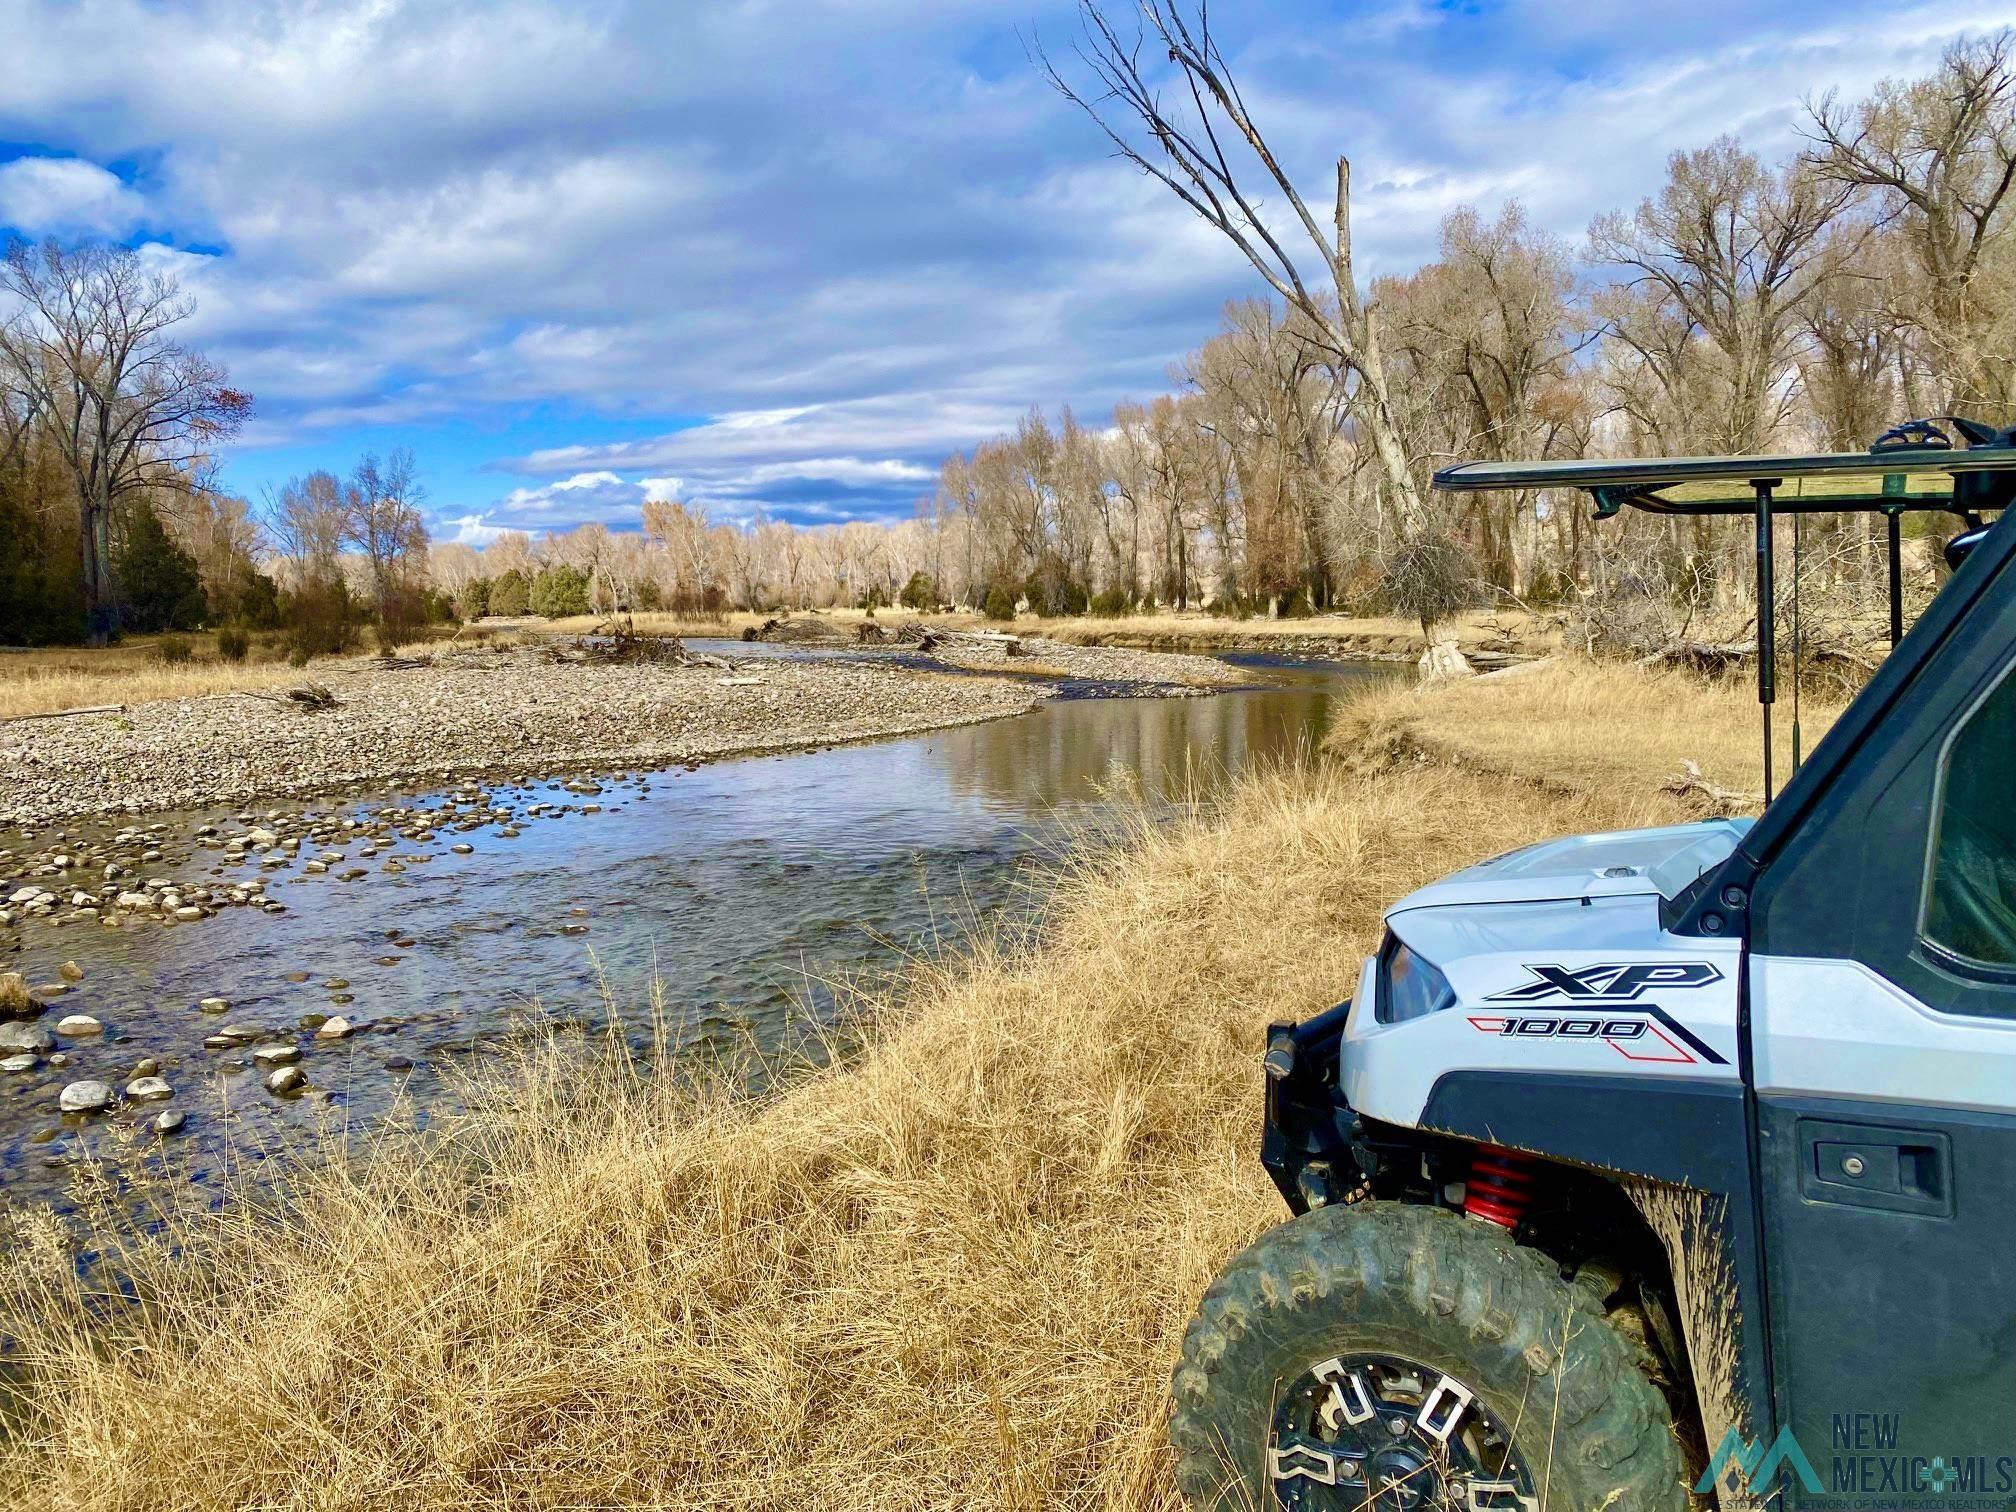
(1409, 988)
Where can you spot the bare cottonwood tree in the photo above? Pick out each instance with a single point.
(1185, 150)
(1938, 155)
(1719, 268)
(381, 520)
(129, 408)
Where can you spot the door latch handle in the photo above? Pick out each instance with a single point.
(1865, 1165)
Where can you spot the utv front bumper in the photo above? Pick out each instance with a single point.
(1306, 1142)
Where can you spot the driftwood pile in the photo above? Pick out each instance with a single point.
(616, 643)
(930, 638)
(309, 698)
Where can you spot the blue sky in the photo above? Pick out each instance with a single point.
(784, 254)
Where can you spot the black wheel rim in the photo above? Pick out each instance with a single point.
(1378, 1433)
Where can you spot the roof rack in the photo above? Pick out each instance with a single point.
(1913, 467)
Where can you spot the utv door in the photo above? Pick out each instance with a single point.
(1882, 1036)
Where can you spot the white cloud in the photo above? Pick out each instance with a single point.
(858, 236)
(64, 196)
(470, 530)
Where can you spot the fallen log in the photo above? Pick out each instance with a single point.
(1690, 783)
(71, 713)
(1702, 656)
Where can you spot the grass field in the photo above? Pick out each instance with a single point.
(952, 1271)
(1578, 728)
(134, 670)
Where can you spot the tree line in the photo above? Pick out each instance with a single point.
(1742, 306)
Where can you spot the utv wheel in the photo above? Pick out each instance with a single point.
(1402, 1359)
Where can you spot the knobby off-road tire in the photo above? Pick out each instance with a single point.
(1452, 1294)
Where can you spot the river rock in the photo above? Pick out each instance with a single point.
(70, 971)
(18, 1063)
(286, 1079)
(276, 1054)
(15, 1039)
(148, 1067)
(168, 1120)
(335, 1029)
(214, 1005)
(78, 1026)
(188, 913)
(85, 1097)
(148, 1089)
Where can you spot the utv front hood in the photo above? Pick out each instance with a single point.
(1617, 864)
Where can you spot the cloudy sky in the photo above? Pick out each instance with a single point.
(785, 254)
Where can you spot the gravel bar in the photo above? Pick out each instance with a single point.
(466, 715)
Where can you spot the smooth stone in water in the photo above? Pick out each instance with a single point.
(17, 1038)
(286, 1079)
(276, 1054)
(214, 1005)
(169, 1120)
(18, 1063)
(148, 1089)
(78, 1026)
(85, 1097)
(70, 971)
(335, 1028)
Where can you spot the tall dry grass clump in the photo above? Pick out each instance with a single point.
(1576, 727)
(952, 1272)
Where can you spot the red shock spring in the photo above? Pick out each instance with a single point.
(1501, 1184)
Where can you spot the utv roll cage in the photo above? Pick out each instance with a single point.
(1912, 468)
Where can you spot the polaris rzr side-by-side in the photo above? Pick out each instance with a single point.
(1653, 1165)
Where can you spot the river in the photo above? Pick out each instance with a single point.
(741, 886)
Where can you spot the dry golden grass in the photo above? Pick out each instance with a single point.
(952, 1272)
(1577, 726)
(132, 671)
(43, 687)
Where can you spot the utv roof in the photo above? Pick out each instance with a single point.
(1913, 466)
(1891, 481)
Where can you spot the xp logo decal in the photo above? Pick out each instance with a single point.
(1615, 983)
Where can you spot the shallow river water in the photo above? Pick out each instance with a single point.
(741, 886)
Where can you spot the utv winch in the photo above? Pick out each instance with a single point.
(1649, 1167)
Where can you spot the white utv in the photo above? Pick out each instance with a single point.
(1654, 1166)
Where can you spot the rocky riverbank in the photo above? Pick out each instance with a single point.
(476, 712)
